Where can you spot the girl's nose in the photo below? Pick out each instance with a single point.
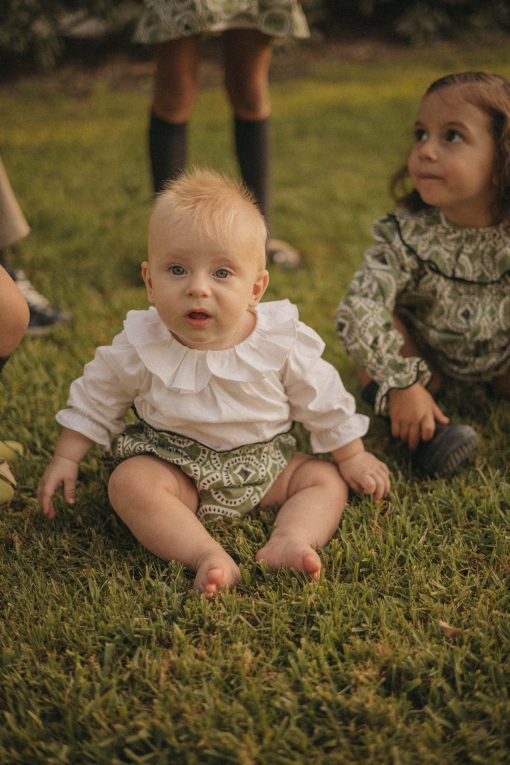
(427, 149)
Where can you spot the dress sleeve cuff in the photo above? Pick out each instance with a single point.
(414, 370)
(328, 440)
(73, 419)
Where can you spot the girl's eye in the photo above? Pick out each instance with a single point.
(420, 134)
(176, 270)
(452, 136)
(222, 273)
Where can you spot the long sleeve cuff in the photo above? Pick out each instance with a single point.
(412, 371)
(328, 440)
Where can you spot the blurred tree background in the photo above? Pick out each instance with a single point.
(38, 31)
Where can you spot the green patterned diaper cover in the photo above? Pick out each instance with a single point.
(229, 483)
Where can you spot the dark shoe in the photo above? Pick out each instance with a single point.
(448, 449)
(43, 316)
(282, 254)
(369, 392)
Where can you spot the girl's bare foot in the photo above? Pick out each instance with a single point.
(287, 551)
(215, 572)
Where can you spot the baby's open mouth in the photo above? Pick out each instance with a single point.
(198, 315)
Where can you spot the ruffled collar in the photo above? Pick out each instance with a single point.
(461, 253)
(189, 370)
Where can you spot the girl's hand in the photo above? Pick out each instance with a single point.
(364, 473)
(60, 471)
(413, 414)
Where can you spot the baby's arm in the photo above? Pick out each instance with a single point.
(71, 448)
(361, 470)
(413, 414)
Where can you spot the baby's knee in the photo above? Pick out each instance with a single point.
(325, 474)
(129, 478)
(120, 482)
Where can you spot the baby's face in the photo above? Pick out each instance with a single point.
(205, 289)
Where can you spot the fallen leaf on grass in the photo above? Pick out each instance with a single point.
(449, 631)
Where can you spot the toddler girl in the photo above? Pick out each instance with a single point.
(216, 380)
(432, 301)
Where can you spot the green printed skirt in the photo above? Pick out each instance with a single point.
(164, 20)
(229, 483)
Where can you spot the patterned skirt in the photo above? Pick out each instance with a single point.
(229, 483)
(171, 19)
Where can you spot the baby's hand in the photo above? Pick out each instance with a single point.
(60, 471)
(366, 474)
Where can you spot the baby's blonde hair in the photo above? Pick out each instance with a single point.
(209, 203)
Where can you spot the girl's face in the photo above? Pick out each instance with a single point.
(452, 162)
(204, 289)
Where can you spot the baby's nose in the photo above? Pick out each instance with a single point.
(199, 284)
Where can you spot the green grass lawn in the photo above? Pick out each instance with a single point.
(106, 654)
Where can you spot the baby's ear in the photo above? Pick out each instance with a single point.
(259, 286)
(146, 276)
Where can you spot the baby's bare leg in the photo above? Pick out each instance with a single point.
(313, 496)
(158, 504)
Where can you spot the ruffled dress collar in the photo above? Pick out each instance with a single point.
(462, 253)
(189, 370)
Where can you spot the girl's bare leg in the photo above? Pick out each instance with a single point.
(313, 496)
(158, 504)
(409, 348)
(176, 78)
(247, 61)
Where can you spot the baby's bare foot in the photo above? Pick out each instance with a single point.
(291, 553)
(215, 572)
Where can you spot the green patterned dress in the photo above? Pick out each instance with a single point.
(451, 286)
(170, 19)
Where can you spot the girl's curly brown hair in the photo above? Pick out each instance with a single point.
(491, 94)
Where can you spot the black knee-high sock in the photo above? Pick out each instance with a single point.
(253, 150)
(167, 150)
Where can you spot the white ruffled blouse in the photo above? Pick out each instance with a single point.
(224, 399)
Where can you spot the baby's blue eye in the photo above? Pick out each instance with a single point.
(176, 270)
(222, 273)
(420, 134)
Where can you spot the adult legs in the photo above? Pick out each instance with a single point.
(312, 495)
(158, 504)
(247, 61)
(175, 89)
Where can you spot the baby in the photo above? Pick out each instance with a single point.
(216, 379)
